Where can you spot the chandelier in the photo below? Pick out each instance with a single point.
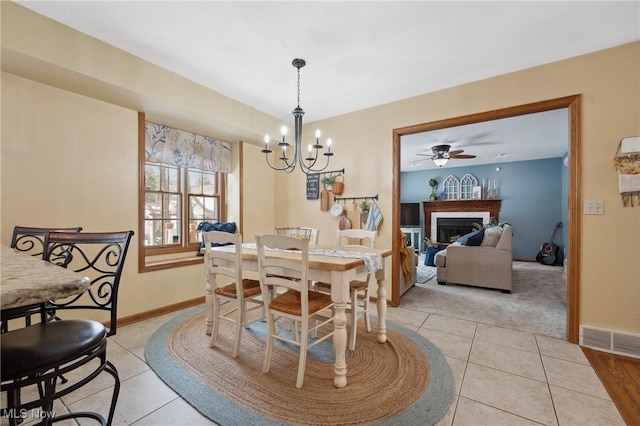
(288, 164)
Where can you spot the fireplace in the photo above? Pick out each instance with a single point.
(479, 211)
(449, 229)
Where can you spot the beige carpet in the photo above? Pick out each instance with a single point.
(537, 303)
(404, 381)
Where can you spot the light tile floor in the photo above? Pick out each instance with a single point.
(503, 377)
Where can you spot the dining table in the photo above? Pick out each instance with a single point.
(27, 280)
(338, 266)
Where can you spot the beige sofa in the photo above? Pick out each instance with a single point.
(487, 265)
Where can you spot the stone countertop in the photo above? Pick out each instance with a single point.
(26, 280)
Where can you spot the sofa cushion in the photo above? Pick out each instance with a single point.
(472, 238)
(491, 236)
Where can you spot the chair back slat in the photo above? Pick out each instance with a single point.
(290, 273)
(363, 237)
(224, 263)
(30, 240)
(98, 255)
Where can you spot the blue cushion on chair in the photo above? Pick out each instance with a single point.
(473, 238)
(229, 227)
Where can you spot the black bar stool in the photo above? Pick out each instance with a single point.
(39, 354)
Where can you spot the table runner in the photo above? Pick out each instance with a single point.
(372, 261)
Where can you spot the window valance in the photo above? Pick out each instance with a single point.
(184, 149)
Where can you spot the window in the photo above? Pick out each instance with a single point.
(182, 183)
(165, 189)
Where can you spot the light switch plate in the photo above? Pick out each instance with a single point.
(594, 207)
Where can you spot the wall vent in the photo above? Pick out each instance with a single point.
(610, 341)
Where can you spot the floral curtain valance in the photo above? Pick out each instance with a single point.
(163, 144)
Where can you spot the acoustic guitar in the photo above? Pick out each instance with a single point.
(548, 254)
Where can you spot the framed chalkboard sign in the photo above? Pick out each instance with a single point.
(313, 186)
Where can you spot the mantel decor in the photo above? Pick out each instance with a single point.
(290, 164)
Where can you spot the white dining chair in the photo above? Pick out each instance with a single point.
(313, 234)
(358, 308)
(293, 301)
(243, 293)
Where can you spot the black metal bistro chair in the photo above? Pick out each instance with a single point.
(30, 240)
(39, 354)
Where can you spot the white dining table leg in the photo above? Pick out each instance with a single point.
(340, 295)
(382, 306)
(340, 345)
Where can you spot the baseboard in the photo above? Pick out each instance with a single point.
(612, 341)
(160, 311)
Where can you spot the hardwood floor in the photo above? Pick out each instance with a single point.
(620, 376)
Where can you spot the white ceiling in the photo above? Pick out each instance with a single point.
(359, 53)
(525, 137)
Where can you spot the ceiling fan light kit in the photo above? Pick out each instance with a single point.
(440, 161)
(442, 155)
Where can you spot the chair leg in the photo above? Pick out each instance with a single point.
(111, 369)
(367, 320)
(240, 323)
(304, 339)
(216, 321)
(354, 319)
(270, 331)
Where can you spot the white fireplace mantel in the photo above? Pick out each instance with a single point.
(486, 217)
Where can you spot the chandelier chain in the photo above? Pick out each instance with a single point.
(298, 87)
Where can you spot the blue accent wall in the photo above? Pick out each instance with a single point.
(533, 194)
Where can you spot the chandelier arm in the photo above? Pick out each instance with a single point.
(309, 169)
(288, 168)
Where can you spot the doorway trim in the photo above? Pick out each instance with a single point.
(572, 103)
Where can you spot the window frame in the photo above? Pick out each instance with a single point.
(152, 258)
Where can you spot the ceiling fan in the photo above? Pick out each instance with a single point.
(441, 155)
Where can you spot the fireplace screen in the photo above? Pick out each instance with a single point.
(451, 228)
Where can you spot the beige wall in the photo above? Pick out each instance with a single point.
(36, 48)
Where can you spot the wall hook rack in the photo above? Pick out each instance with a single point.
(371, 197)
(341, 171)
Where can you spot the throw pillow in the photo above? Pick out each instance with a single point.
(472, 239)
(491, 236)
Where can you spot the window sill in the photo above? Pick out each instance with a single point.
(157, 265)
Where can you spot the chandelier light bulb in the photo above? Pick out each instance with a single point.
(283, 130)
(267, 139)
(318, 134)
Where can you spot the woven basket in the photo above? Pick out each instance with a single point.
(338, 187)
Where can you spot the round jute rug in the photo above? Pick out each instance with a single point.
(387, 383)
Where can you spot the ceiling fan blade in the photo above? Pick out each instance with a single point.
(425, 155)
(456, 152)
(463, 156)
